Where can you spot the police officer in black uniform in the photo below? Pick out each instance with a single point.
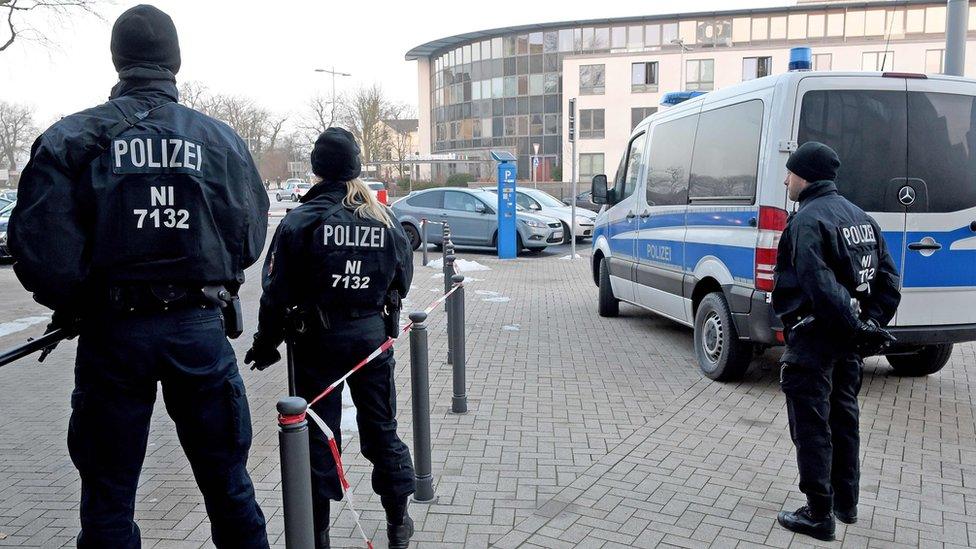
(836, 286)
(134, 223)
(337, 268)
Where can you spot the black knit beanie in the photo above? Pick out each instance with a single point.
(144, 34)
(814, 161)
(335, 157)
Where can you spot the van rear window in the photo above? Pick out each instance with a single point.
(942, 150)
(868, 129)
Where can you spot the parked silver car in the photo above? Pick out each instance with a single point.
(473, 217)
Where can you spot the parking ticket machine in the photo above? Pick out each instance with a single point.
(507, 170)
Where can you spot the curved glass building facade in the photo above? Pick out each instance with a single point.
(503, 88)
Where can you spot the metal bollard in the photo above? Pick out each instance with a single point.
(420, 384)
(296, 486)
(423, 239)
(459, 402)
(448, 273)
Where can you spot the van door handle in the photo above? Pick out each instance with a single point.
(645, 214)
(631, 215)
(919, 246)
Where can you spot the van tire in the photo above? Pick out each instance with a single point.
(413, 235)
(609, 305)
(924, 361)
(721, 355)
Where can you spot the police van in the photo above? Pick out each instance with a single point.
(694, 214)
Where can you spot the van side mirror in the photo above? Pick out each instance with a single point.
(600, 194)
(480, 208)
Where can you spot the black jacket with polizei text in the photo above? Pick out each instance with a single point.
(174, 199)
(326, 256)
(830, 253)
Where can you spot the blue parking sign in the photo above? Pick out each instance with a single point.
(506, 211)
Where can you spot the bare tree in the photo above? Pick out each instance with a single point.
(21, 13)
(195, 95)
(365, 112)
(17, 130)
(401, 121)
(322, 113)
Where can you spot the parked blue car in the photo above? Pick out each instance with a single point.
(472, 214)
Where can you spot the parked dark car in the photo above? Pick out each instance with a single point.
(585, 200)
(4, 221)
(473, 219)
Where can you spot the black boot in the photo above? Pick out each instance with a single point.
(322, 539)
(806, 522)
(399, 525)
(847, 516)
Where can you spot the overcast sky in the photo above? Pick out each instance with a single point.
(268, 50)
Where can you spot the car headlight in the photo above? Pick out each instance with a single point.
(533, 223)
(584, 220)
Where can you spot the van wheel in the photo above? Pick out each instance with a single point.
(278, 196)
(721, 355)
(609, 305)
(567, 234)
(923, 361)
(412, 235)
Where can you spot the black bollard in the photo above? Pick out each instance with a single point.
(423, 238)
(448, 274)
(296, 487)
(459, 402)
(420, 384)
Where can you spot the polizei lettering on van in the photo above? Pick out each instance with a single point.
(353, 236)
(856, 235)
(156, 154)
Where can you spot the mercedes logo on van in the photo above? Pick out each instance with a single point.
(906, 196)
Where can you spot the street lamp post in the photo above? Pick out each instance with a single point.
(681, 43)
(334, 73)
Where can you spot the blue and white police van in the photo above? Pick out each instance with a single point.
(694, 214)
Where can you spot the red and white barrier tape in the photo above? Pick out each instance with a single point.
(342, 474)
(380, 350)
(328, 432)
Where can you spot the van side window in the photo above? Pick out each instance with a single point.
(726, 160)
(629, 169)
(868, 129)
(670, 162)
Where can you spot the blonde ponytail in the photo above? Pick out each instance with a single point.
(360, 199)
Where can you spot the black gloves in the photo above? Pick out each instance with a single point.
(68, 322)
(261, 354)
(871, 339)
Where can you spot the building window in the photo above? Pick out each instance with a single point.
(593, 79)
(877, 61)
(700, 74)
(822, 61)
(637, 114)
(591, 123)
(643, 77)
(934, 61)
(756, 67)
(590, 164)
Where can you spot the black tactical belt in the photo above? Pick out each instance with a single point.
(149, 298)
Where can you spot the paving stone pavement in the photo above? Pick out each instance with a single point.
(581, 432)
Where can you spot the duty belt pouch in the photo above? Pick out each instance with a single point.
(391, 314)
(233, 318)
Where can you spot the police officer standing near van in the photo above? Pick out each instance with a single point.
(135, 221)
(836, 287)
(336, 271)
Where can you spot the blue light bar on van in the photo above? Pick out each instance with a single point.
(801, 59)
(673, 98)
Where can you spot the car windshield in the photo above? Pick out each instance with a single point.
(544, 198)
(6, 209)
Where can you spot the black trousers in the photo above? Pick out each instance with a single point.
(121, 359)
(821, 401)
(321, 357)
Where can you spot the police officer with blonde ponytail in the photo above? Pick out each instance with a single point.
(341, 262)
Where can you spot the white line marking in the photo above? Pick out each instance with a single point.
(21, 324)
